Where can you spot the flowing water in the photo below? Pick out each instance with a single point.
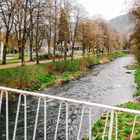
(110, 84)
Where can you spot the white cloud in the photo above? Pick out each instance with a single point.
(107, 8)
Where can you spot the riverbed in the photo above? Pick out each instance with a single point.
(110, 84)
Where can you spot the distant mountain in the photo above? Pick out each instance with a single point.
(123, 24)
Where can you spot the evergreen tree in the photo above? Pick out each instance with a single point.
(64, 32)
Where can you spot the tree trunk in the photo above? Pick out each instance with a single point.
(31, 34)
(22, 56)
(19, 53)
(31, 44)
(65, 53)
(4, 54)
(72, 52)
(37, 56)
(54, 48)
(49, 48)
(31, 51)
(83, 51)
(5, 49)
(55, 32)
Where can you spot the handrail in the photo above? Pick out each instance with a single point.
(45, 96)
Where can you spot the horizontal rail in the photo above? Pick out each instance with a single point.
(39, 95)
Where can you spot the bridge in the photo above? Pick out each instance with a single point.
(111, 115)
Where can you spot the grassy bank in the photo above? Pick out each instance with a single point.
(38, 77)
(137, 80)
(125, 123)
(125, 120)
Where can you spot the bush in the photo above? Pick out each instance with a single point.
(45, 56)
(138, 93)
(136, 52)
(45, 80)
(21, 78)
(86, 63)
(137, 77)
(137, 80)
(62, 66)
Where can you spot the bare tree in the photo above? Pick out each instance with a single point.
(22, 27)
(78, 16)
(7, 8)
(39, 28)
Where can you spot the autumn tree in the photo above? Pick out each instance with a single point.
(22, 28)
(49, 25)
(32, 6)
(55, 12)
(39, 30)
(135, 37)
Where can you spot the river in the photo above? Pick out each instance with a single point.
(110, 84)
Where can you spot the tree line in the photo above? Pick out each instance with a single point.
(135, 36)
(57, 24)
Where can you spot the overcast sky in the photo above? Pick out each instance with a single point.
(107, 8)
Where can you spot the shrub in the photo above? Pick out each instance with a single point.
(86, 63)
(136, 52)
(45, 80)
(21, 78)
(62, 66)
(45, 56)
(137, 77)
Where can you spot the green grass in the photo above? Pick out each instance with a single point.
(38, 77)
(117, 55)
(137, 80)
(125, 123)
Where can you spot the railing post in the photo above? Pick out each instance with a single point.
(90, 123)
(134, 123)
(7, 117)
(45, 119)
(111, 125)
(67, 121)
(17, 115)
(81, 120)
(58, 119)
(25, 117)
(1, 96)
(36, 119)
(105, 125)
(116, 125)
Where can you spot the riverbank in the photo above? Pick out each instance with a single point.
(125, 120)
(101, 85)
(137, 80)
(39, 77)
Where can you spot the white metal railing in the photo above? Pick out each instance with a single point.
(112, 111)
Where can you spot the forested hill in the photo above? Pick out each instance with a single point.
(124, 24)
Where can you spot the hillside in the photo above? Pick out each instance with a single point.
(124, 24)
